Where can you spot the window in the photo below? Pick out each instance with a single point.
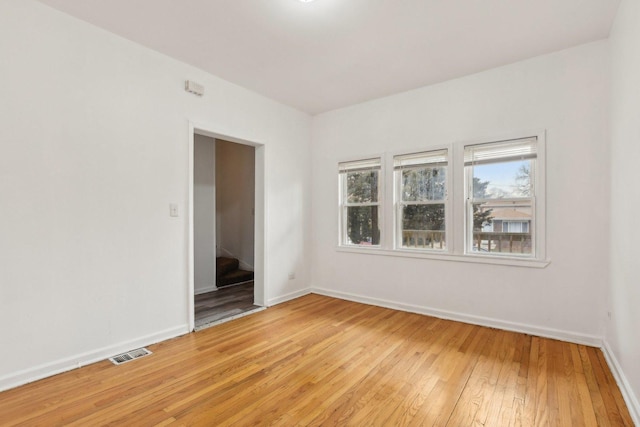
(500, 197)
(360, 201)
(421, 195)
(515, 226)
(481, 201)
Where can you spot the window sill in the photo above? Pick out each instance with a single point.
(444, 256)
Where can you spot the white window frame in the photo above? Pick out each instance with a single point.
(537, 226)
(455, 209)
(399, 204)
(343, 168)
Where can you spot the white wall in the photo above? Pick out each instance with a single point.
(204, 213)
(235, 174)
(94, 148)
(565, 93)
(623, 330)
(94, 140)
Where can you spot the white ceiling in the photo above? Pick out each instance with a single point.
(328, 54)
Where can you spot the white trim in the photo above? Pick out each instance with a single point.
(77, 361)
(191, 310)
(444, 256)
(456, 224)
(538, 233)
(394, 196)
(288, 297)
(382, 178)
(633, 404)
(228, 319)
(198, 290)
(260, 217)
(70, 363)
(261, 229)
(573, 337)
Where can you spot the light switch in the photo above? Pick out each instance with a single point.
(173, 209)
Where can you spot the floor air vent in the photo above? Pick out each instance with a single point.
(129, 356)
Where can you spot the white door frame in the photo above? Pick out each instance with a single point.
(260, 203)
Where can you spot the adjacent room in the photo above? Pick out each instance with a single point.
(319, 212)
(223, 230)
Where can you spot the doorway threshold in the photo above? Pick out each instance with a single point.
(206, 325)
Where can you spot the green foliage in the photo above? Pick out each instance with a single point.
(423, 217)
(480, 188)
(362, 221)
(424, 184)
(362, 225)
(362, 186)
(419, 185)
(480, 217)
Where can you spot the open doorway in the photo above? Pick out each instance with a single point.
(226, 228)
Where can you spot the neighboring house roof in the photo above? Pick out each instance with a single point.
(509, 213)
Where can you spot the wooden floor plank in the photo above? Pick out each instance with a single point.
(611, 393)
(323, 361)
(225, 302)
(586, 404)
(530, 377)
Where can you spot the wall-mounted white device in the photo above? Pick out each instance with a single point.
(193, 87)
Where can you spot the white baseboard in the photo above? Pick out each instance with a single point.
(625, 388)
(204, 289)
(70, 363)
(288, 297)
(577, 338)
(591, 340)
(67, 364)
(568, 336)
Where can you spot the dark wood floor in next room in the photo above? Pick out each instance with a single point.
(226, 302)
(319, 361)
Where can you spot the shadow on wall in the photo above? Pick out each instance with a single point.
(235, 202)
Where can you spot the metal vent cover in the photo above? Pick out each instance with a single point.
(129, 356)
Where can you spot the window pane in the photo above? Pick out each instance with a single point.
(501, 227)
(423, 226)
(424, 184)
(502, 180)
(362, 186)
(362, 225)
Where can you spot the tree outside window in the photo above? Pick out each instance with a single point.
(421, 183)
(360, 199)
(501, 197)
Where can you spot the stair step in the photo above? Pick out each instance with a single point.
(226, 265)
(235, 276)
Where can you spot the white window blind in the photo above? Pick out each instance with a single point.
(503, 151)
(424, 159)
(360, 165)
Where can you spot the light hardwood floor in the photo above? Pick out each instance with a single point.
(323, 361)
